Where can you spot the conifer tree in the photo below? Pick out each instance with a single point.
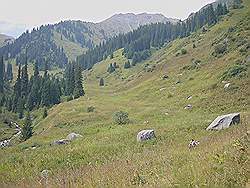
(24, 80)
(78, 90)
(9, 73)
(101, 83)
(45, 113)
(1, 75)
(127, 65)
(26, 131)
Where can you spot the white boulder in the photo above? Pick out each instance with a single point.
(145, 135)
(224, 121)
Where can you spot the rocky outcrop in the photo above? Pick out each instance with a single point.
(224, 121)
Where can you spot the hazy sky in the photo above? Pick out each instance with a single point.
(36, 12)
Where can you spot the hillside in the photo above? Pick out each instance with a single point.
(76, 37)
(4, 39)
(108, 154)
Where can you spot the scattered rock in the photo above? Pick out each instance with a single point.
(45, 174)
(73, 136)
(145, 135)
(189, 97)
(227, 85)
(163, 89)
(165, 77)
(61, 142)
(178, 82)
(188, 107)
(224, 121)
(146, 122)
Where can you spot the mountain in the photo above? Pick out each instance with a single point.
(123, 23)
(74, 37)
(12, 29)
(4, 40)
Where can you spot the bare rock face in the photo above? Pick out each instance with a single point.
(224, 121)
(145, 135)
(73, 136)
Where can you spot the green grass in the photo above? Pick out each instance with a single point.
(72, 49)
(108, 154)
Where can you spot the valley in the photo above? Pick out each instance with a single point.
(177, 91)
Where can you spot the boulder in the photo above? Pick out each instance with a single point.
(165, 77)
(227, 85)
(61, 142)
(224, 121)
(73, 136)
(188, 107)
(145, 135)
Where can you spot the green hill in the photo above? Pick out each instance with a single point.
(108, 154)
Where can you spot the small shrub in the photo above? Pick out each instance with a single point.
(45, 113)
(183, 51)
(121, 118)
(238, 70)
(220, 49)
(69, 98)
(90, 109)
(101, 82)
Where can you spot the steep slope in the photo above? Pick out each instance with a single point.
(108, 155)
(4, 40)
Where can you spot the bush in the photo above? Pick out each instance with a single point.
(90, 109)
(69, 98)
(183, 51)
(45, 113)
(238, 70)
(220, 49)
(121, 117)
(101, 83)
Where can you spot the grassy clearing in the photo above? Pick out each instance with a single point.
(108, 154)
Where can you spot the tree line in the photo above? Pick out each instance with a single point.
(137, 43)
(38, 90)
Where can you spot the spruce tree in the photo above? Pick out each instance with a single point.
(45, 113)
(24, 81)
(26, 131)
(101, 83)
(127, 65)
(78, 90)
(9, 72)
(1, 75)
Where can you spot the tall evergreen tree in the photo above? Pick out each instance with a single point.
(78, 90)
(101, 83)
(1, 75)
(24, 81)
(9, 73)
(27, 128)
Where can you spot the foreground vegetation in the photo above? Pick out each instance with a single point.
(108, 154)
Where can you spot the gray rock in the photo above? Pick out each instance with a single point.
(61, 142)
(188, 107)
(165, 77)
(145, 135)
(73, 136)
(227, 85)
(224, 121)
